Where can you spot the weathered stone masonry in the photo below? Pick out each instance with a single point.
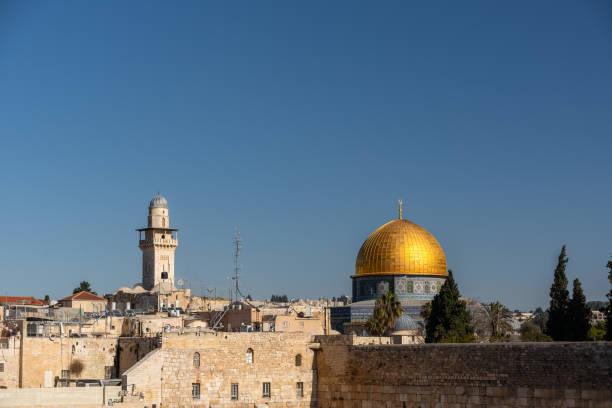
(368, 372)
(166, 376)
(463, 375)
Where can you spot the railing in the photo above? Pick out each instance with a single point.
(217, 319)
(166, 241)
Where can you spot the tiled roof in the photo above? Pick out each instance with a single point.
(83, 296)
(21, 300)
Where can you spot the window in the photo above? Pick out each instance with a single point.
(195, 390)
(285, 324)
(299, 389)
(234, 391)
(66, 374)
(298, 360)
(266, 390)
(301, 324)
(4, 343)
(249, 356)
(1, 367)
(196, 359)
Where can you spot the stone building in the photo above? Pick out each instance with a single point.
(247, 316)
(37, 359)
(85, 302)
(225, 369)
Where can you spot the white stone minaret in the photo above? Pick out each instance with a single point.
(158, 246)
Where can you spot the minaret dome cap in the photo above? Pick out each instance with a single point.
(158, 202)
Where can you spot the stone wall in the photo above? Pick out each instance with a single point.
(143, 381)
(37, 361)
(463, 375)
(10, 348)
(166, 375)
(82, 397)
(44, 358)
(133, 349)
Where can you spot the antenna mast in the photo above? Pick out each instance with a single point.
(237, 247)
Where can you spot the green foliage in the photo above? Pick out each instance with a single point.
(598, 332)
(579, 315)
(609, 311)
(531, 332)
(447, 319)
(47, 298)
(279, 298)
(499, 320)
(500, 337)
(557, 325)
(84, 286)
(386, 310)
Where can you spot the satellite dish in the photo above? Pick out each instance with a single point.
(181, 282)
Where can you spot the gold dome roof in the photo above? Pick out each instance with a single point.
(400, 247)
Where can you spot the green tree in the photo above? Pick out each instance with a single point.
(579, 315)
(499, 320)
(598, 332)
(279, 298)
(84, 286)
(609, 310)
(532, 332)
(448, 320)
(557, 326)
(387, 309)
(47, 298)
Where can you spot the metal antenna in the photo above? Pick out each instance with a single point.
(237, 247)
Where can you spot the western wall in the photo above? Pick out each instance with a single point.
(352, 373)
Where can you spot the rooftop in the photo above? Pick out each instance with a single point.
(21, 300)
(83, 296)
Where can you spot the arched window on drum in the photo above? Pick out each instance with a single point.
(196, 359)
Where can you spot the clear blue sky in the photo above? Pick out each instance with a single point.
(302, 123)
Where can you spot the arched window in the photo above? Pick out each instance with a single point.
(249, 356)
(196, 359)
(298, 360)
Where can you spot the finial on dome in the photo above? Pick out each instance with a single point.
(400, 202)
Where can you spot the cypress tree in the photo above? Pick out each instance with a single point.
(609, 310)
(448, 321)
(557, 324)
(579, 315)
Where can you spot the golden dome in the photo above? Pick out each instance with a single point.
(400, 247)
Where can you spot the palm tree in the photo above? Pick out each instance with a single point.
(392, 307)
(499, 319)
(387, 309)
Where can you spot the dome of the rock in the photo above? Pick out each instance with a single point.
(401, 247)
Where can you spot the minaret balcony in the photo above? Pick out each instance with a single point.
(163, 242)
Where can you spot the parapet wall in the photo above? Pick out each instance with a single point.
(81, 397)
(462, 375)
